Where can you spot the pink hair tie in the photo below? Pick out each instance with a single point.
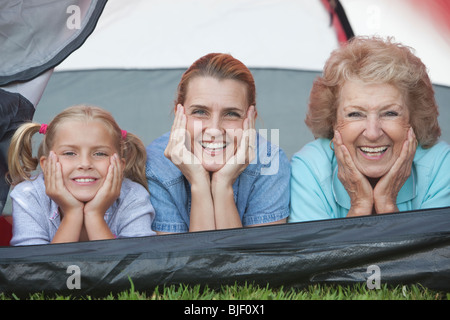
(124, 134)
(43, 128)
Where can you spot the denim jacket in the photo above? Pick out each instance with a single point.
(261, 192)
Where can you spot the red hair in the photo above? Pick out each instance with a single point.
(219, 66)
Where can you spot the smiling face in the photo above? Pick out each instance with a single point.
(373, 121)
(215, 111)
(84, 150)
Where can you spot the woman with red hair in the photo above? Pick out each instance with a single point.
(212, 171)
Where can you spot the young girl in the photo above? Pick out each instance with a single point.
(92, 185)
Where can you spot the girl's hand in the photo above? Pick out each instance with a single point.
(71, 210)
(176, 151)
(109, 191)
(388, 187)
(245, 154)
(356, 184)
(94, 210)
(55, 188)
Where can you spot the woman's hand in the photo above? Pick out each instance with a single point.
(225, 211)
(176, 151)
(388, 187)
(202, 209)
(356, 184)
(245, 154)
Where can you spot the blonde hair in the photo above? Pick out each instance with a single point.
(374, 60)
(22, 164)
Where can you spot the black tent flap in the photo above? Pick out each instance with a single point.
(37, 35)
(406, 248)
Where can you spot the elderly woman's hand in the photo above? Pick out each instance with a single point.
(356, 184)
(388, 187)
(382, 198)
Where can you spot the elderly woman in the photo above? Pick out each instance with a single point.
(374, 117)
(201, 175)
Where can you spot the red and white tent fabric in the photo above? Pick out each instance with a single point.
(142, 34)
(422, 25)
(289, 34)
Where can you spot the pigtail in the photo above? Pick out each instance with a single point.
(135, 156)
(21, 162)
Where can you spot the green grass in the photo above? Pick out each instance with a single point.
(251, 292)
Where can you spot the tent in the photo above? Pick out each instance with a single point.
(398, 249)
(129, 56)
